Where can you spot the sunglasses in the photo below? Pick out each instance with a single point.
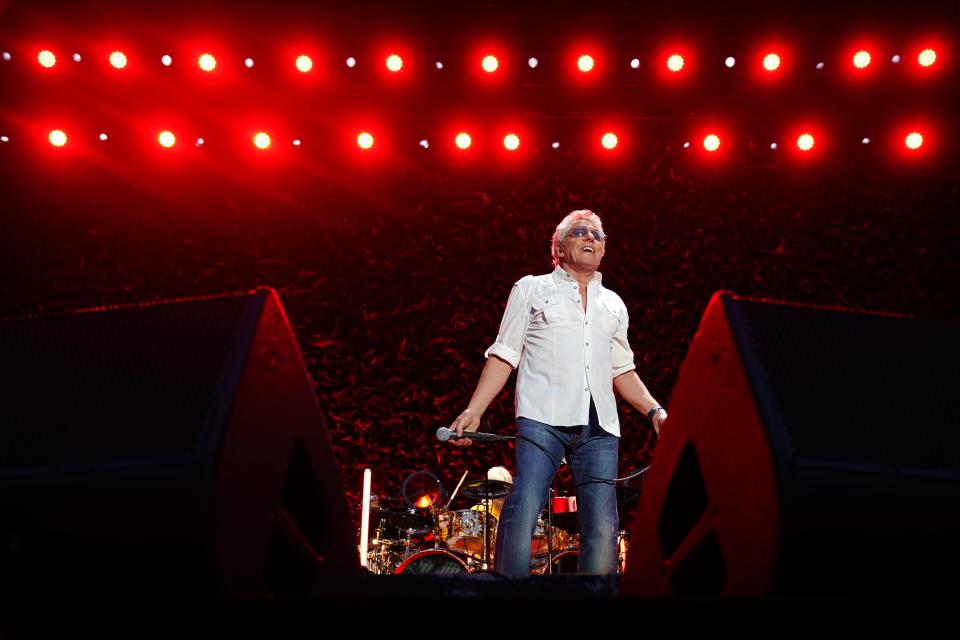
(581, 232)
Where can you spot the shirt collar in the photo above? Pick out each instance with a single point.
(562, 277)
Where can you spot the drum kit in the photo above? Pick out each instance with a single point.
(425, 537)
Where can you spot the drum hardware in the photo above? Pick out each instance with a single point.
(389, 545)
(540, 542)
(409, 520)
(484, 490)
(547, 563)
(561, 563)
(383, 556)
(462, 539)
(551, 493)
(565, 562)
(468, 532)
(421, 490)
(623, 545)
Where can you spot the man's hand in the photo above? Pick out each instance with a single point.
(466, 421)
(658, 419)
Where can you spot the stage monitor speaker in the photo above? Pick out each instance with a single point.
(810, 452)
(174, 447)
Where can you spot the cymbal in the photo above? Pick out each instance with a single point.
(403, 519)
(485, 489)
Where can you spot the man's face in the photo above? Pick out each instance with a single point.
(580, 248)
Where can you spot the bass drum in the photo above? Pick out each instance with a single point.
(433, 562)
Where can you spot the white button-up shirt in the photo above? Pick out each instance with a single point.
(564, 356)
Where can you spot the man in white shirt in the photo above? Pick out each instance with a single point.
(567, 337)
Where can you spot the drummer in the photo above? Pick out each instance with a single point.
(500, 474)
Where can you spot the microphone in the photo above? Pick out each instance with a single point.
(444, 434)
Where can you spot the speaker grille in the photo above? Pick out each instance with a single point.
(153, 378)
(853, 389)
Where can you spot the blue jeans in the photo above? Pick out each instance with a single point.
(591, 454)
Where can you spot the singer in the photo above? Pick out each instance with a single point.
(566, 334)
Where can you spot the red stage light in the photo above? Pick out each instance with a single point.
(771, 62)
(463, 140)
(394, 63)
(57, 138)
(166, 139)
(805, 142)
(609, 140)
(261, 140)
(675, 62)
(207, 62)
(490, 63)
(914, 140)
(711, 142)
(861, 59)
(118, 59)
(511, 142)
(365, 140)
(304, 63)
(46, 58)
(585, 63)
(927, 57)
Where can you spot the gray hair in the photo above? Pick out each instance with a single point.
(564, 228)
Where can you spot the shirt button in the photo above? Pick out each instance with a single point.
(586, 389)
(588, 344)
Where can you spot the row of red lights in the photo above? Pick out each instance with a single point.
(511, 142)
(771, 61)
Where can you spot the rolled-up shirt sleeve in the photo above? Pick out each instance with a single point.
(513, 327)
(621, 355)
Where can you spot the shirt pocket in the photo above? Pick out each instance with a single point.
(611, 315)
(547, 310)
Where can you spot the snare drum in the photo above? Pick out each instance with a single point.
(467, 532)
(433, 561)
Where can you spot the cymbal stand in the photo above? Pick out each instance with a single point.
(486, 523)
(550, 493)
